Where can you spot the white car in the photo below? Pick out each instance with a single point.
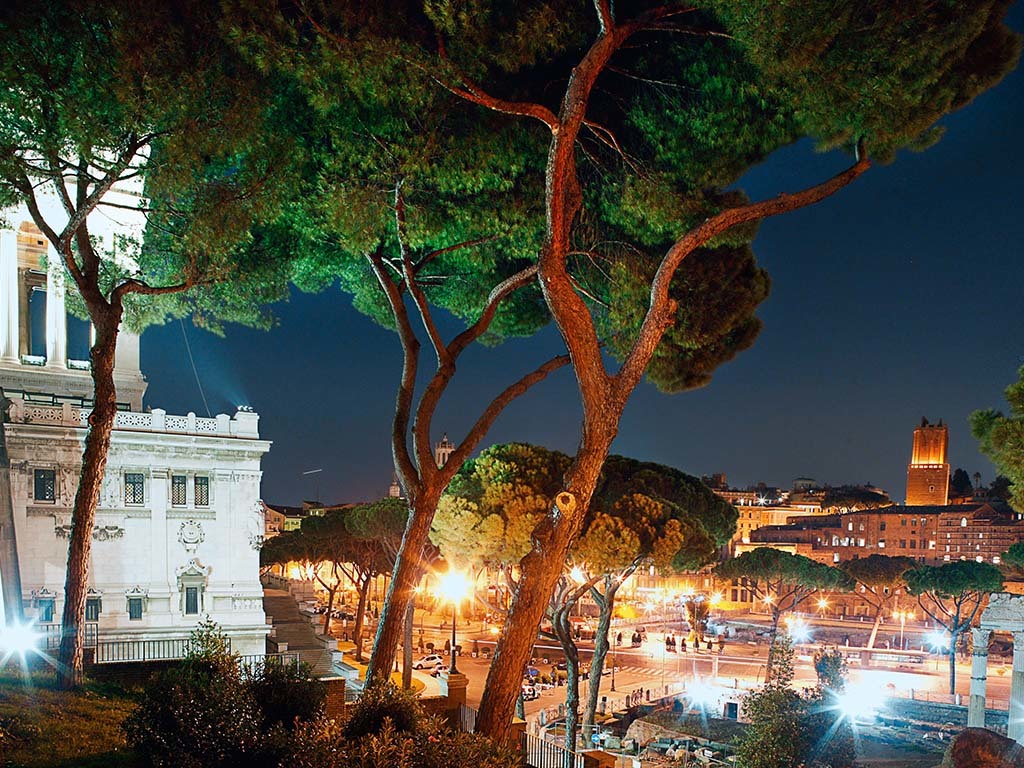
(438, 669)
(428, 661)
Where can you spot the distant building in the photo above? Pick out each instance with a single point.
(443, 450)
(395, 490)
(933, 534)
(928, 471)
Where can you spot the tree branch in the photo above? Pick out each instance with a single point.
(418, 297)
(497, 295)
(497, 405)
(410, 359)
(661, 310)
(470, 91)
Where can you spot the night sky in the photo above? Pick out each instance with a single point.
(900, 297)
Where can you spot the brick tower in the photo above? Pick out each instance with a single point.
(928, 471)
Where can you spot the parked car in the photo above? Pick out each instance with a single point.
(530, 693)
(428, 661)
(438, 669)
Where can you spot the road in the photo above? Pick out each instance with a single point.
(738, 669)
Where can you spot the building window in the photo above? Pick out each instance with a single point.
(903, 521)
(135, 608)
(191, 601)
(134, 488)
(202, 491)
(178, 485)
(913, 543)
(881, 543)
(93, 606)
(849, 526)
(46, 610)
(963, 522)
(45, 484)
(881, 526)
(913, 521)
(903, 543)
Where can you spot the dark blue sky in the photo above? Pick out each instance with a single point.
(898, 298)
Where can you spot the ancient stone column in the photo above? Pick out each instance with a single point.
(9, 343)
(1015, 729)
(56, 317)
(979, 677)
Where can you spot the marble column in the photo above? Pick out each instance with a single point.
(979, 678)
(1015, 729)
(56, 317)
(9, 295)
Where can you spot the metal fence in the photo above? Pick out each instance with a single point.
(256, 663)
(539, 753)
(139, 651)
(467, 719)
(51, 635)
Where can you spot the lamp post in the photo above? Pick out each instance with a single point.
(615, 648)
(903, 616)
(453, 586)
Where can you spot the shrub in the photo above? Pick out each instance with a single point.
(284, 693)
(382, 702)
(199, 714)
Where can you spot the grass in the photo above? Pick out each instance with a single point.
(41, 727)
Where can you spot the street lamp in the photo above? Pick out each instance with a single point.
(453, 586)
(903, 616)
(615, 648)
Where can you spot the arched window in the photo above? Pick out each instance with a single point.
(963, 522)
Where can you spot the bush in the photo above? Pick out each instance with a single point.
(379, 703)
(285, 693)
(199, 714)
(322, 744)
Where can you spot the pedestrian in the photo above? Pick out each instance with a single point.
(682, 644)
(618, 639)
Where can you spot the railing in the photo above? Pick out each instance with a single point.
(51, 635)
(243, 424)
(467, 719)
(256, 663)
(539, 753)
(140, 651)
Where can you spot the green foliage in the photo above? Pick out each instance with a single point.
(850, 498)
(639, 510)
(286, 694)
(777, 571)
(1001, 438)
(960, 484)
(198, 714)
(878, 573)
(1014, 556)
(206, 711)
(322, 744)
(788, 728)
(158, 88)
(382, 703)
(957, 581)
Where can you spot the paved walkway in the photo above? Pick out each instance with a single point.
(292, 628)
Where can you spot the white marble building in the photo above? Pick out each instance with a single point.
(179, 523)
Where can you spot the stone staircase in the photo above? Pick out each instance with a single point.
(293, 632)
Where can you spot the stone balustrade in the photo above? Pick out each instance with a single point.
(242, 424)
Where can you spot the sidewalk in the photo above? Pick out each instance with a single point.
(292, 628)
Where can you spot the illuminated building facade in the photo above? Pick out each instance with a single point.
(178, 524)
(928, 471)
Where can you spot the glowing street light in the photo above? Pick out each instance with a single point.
(715, 599)
(577, 575)
(453, 586)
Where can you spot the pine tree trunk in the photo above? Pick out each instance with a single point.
(875, 626)
(952, 663)
(601, 644)
(401, 591)
(94, 464)
(540, 571)
(771, 642)
(410, 615)
(364, 589)
(563, 631)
